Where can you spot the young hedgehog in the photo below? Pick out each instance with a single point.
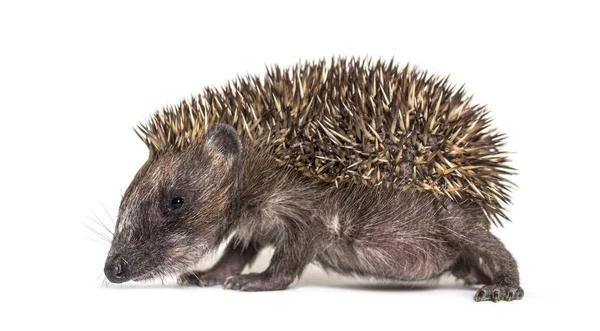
(362, 167)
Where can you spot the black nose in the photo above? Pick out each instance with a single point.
(117, 269)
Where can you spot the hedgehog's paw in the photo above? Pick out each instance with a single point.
(202, 278)
(496, 293)
(257, 282)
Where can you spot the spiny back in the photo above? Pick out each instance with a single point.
(355, 120)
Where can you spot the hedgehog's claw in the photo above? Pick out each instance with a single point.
(497, 293)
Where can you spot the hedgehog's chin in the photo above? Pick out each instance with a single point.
(146, 276)
(143, 278)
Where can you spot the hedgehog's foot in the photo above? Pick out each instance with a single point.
(258, 282)
(498, 292)
(203, 278)
(232, 262)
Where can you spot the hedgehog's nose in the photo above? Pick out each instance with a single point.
(116, 269)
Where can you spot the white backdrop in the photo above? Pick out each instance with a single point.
(75, 77)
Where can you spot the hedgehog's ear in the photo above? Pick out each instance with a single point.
(223, 142)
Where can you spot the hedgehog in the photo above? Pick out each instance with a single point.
(362, 167)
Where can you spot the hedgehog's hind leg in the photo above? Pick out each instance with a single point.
(469, 270)
(479, 244)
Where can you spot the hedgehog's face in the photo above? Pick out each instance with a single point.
(176, 208)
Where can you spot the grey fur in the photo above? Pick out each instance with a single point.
(234, 189)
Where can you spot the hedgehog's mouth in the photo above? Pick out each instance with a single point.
(143, 277)
(119, 270)
(147, 275)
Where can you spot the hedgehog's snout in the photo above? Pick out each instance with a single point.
(117, 269)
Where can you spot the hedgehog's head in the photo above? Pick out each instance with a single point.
(177, 208)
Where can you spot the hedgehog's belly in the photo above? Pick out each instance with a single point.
(406, 259)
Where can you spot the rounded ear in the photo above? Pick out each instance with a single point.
(223, 139)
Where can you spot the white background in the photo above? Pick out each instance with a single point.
(76, 77)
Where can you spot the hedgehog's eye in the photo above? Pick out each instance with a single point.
(176, 203)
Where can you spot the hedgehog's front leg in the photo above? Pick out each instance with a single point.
(232, 262)
(288, 261)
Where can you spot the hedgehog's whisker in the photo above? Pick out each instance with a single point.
(98, 241)
(101, 223)
(109, 216)
(103, 227)
(97, 233)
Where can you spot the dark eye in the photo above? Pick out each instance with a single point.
(176, 203)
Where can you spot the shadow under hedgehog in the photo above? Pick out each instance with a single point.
(362, 167)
